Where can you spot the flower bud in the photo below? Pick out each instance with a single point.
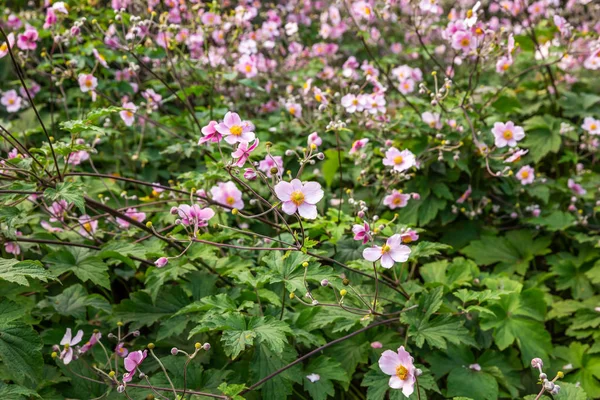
(292, 296)
(197, 345)
(120, 388)
(560, 374)
(54, 354)
(119, 323)
(135, 333)
(174, 210)
(161, 262)
(206, 346)
(151, 346)
(149, 224)
(345, 282)
(343, 292)
(235, 211)
(537, 363)
(324, 282)
(305, 264)
(174, 351)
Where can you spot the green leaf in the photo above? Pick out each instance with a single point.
(542, 136)
(478, 385)
(16, 271)
(74, 300)
(82, 263)
(266, 362)
(331, 166)
(14, 392)
(557, 221)
(328, 370)
(586, 367)
(518, 317)
(141, 311)
(71, 192)
(10, 311)
(20, 347)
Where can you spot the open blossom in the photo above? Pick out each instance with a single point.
(193, 215)
(576, 188)
(235, 130)
(210, 133)
(409, 236)
(13, 247)
(353, 103)
(269, 163)
(591, 125)
(392, 251)
(134, 215)
(299, 197)
(362, 232)
(295, 109)
(432, 119)
(121, 350)
(87, 82)
(227, 194)
(314, 138)
(11, 100)
(503, 64)
(399, 160)
(128, 114)
(66, 355)
(28, 39)
(464, 40)
(357, 145)
(396, 199)
(243, 151)
(133, 362)
(87, 225)
(526, 175)
(5, 46)
(507, 134)
(399, 365)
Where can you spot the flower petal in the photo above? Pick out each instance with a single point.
(312, 192)
(388, 362)
(400, 253)
(284, 190)
(289, 207)
(308, 211)
(372, 253)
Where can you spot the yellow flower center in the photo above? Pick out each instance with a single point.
(507, 134)
(292, 110)
(525, 174)
(318, 97)
(3, 47)
(367, 11)
(236, 130)
(230, 200)
(397, 201)
(479, 31)
(11, 101)
(355, 102)
(401, 372)
(297, 197)
(385, 248)
(248, 67)
(398, 160)
(87, 226)
(469, 13)
(66, 346)
(505, 66)
(406, 239)
(465, 42)
(593, 127)
(88, 83)
(129, 114)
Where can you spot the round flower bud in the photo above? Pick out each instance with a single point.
(112, 374)
(135, 333)
(149, 224)
(324, 282)
(174, 351)
(543, 376)
(206, 346)
(343, 292)
(54, 354)
(537, 363)
(198, 345)
(151, 346)
(549, 385)
(174, 210)
(120, 388)
(305, 264)
(292, 296)
(555, 390)
(346, 282)
(321, 156)
(418, 372)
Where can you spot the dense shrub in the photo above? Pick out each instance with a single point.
(300, 199)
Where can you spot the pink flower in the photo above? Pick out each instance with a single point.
(576, 188)
(89, 344)
(357, 145)
(406, 86)
(295, 109)
(396, 200)
(269, 163)
(152, 98)
(392, 251)
(50, 18)
(4, 47)
(399, 160)
(526, 175)
(87, 82)
(210, 18)
(314, 138)
(128, 114)
(27, 40)
(362, 232)
(516, 156)
(503, 64)
(432, 119)
(121, 350)
(463, 40)
(250, 174)
(161, 262)
(210, 133)
(464, 196)
(88, 226)
(77, 157)
(235, 130)
(376, 345)
(227, 194)
(133, 362)
(133, 214)
(591, 125)
(11, 100)
(401, 369)
(409, 236)
(12, 248)
(193, 215)
(352, 103)
(58, 209)
(68, 342)
(242, 153)
(299, 197)
(507, 134)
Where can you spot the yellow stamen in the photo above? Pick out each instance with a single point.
(401, 372)
(297, 198)
(398, 160)
(236, 130)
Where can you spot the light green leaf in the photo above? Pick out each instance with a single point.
(16, 271)
(82, 263)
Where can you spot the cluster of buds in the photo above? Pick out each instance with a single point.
(547, 385)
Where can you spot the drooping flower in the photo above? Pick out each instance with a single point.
(121, 350)
(392, 251)
(210, 133)
(87, 226)
(193, 215)
(28, 39)
(11, 100)
(432, 119)
(409, 236)
(314, 138)
(133, 214)
(362, 232)
(399, 160)
(133, 362)
(576, 188)
(516, 156)
(507, 134)
(357, 145)
(90, 343)
(269, 163)
(464, 196)
(243, 151)
(235, 130)
(227, 194)
(66, 355)
(161, 262)
(526, 175)
(299, 197)
(396, 199)
(399, 365)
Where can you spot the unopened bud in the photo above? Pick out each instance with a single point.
(197, 345)
(174, 351)
(151, 346)
(343, 292)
